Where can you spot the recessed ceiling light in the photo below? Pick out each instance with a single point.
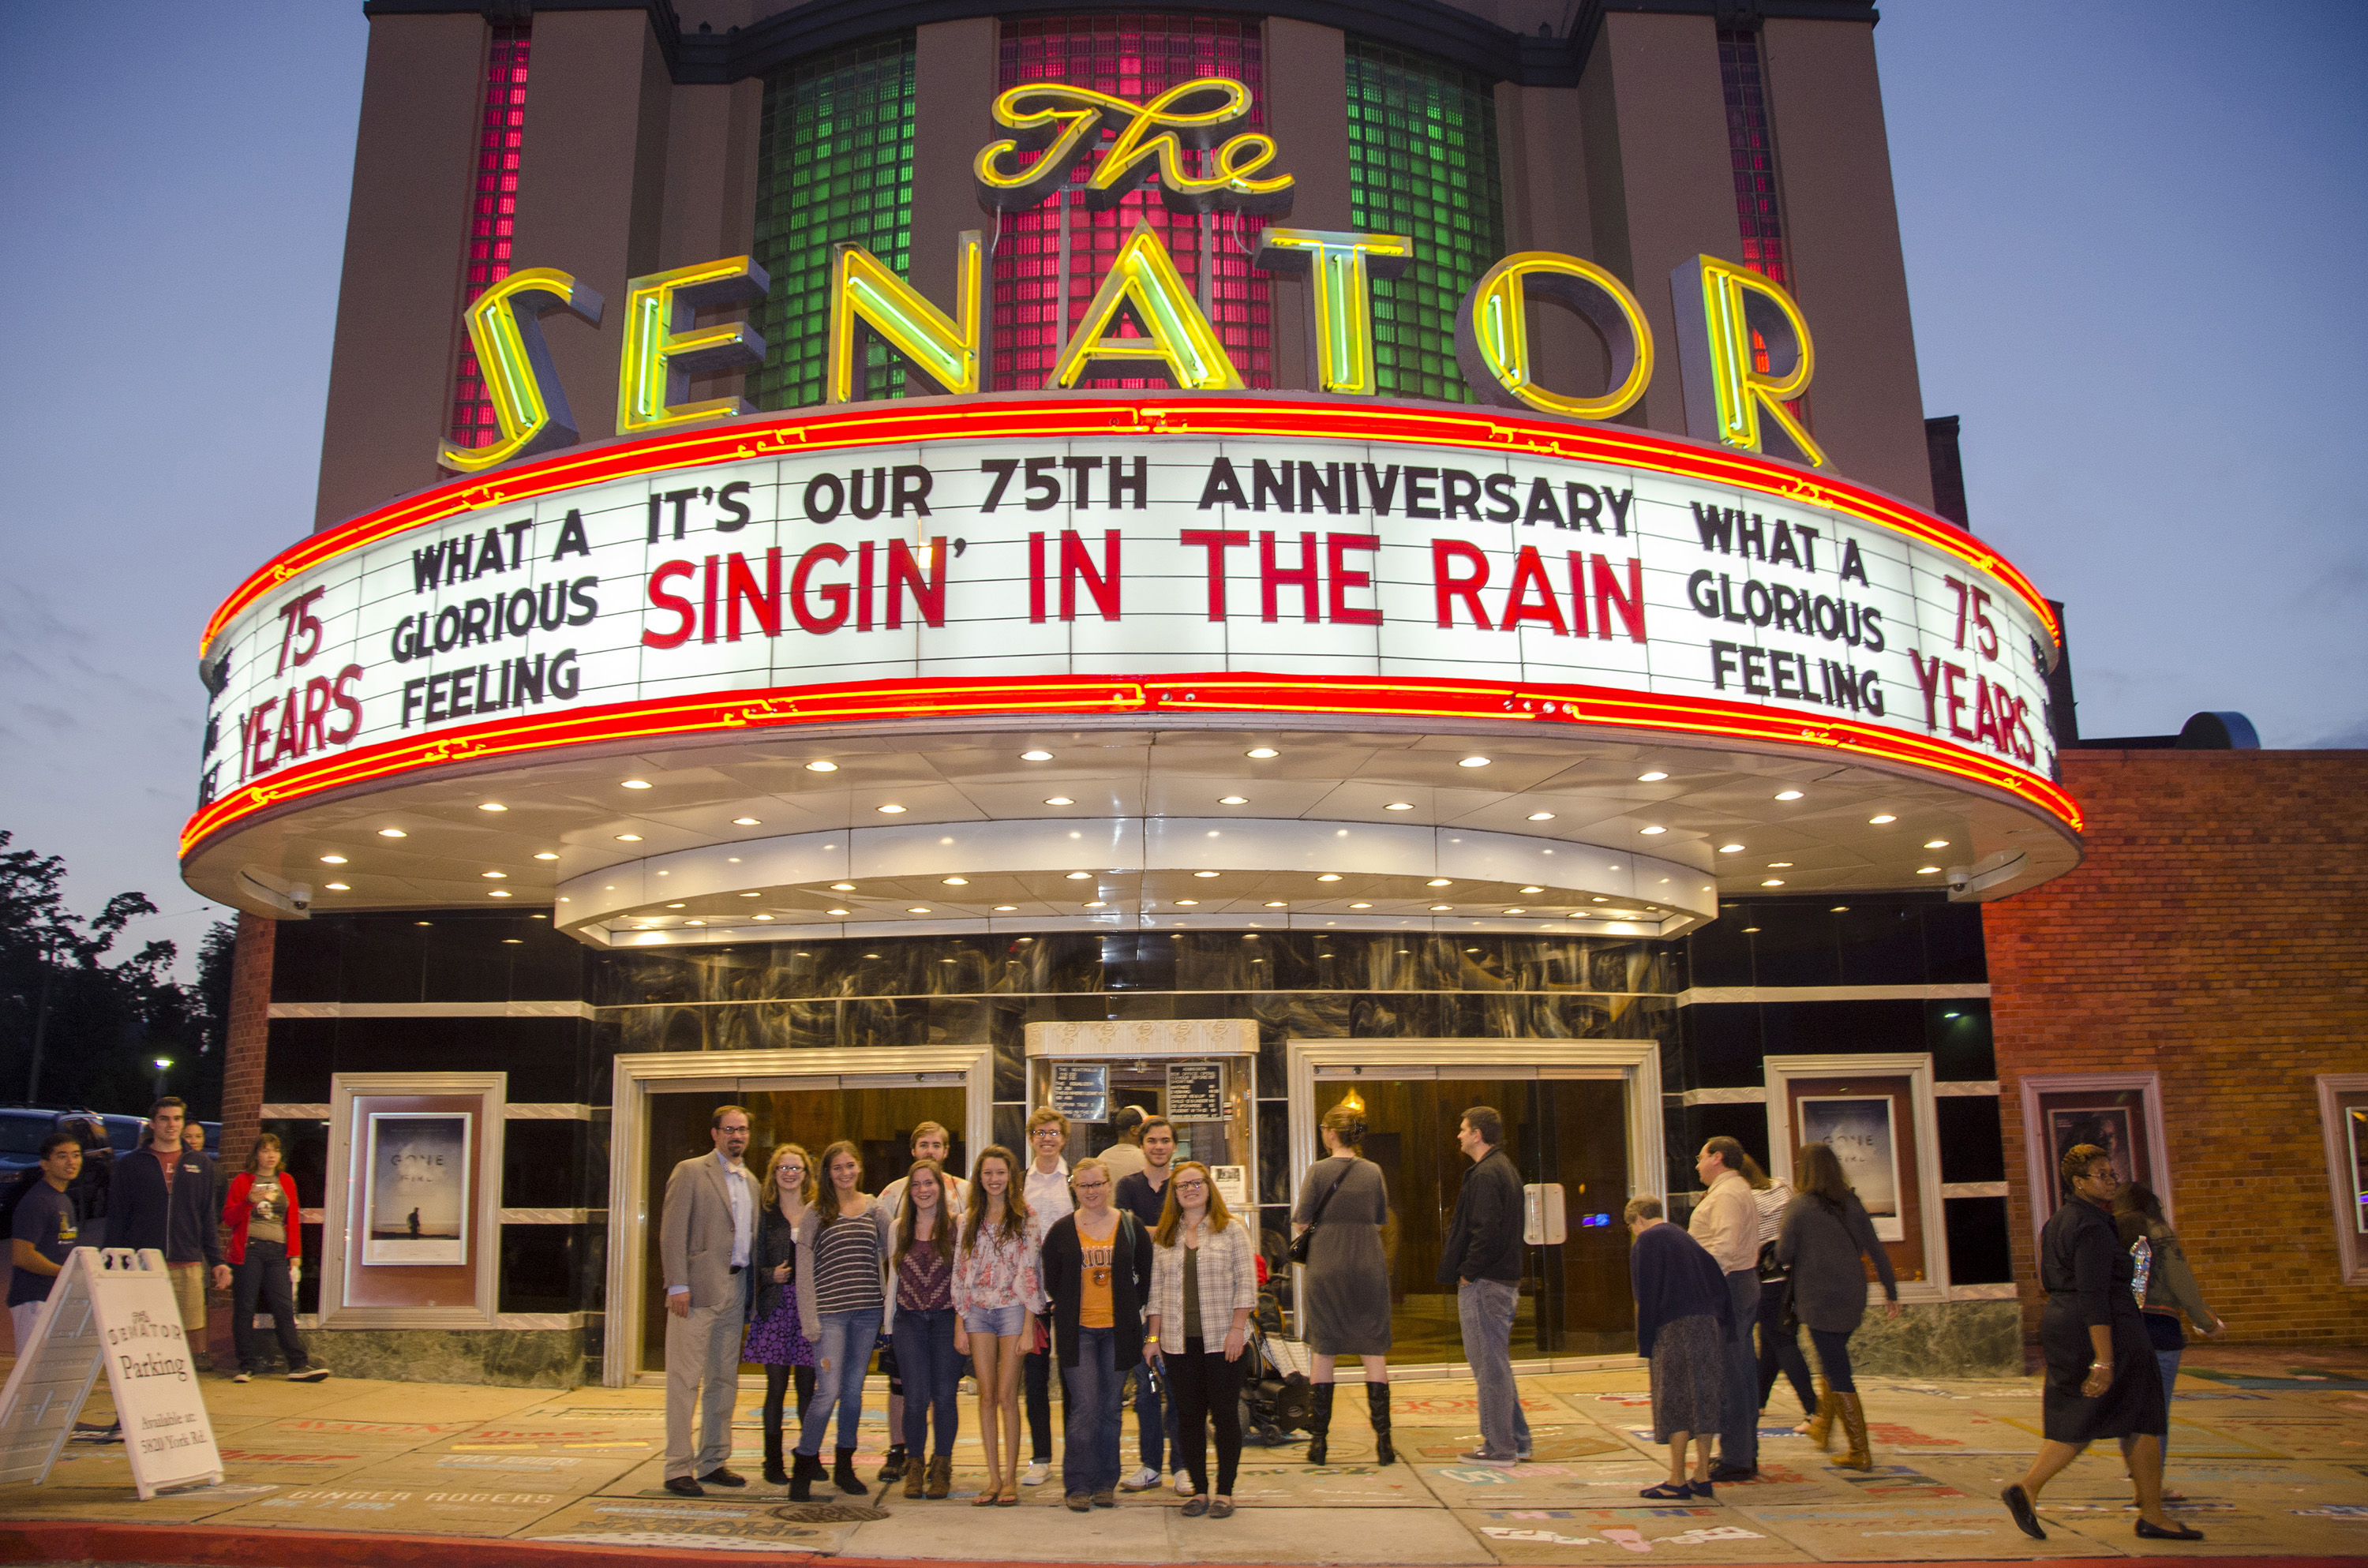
(499, 892)
(1730, 848)
(918, 909)
(1261, 751)
(1473, 762)
(546, 855)
(339, 887)
(1534, 889)
(821, 765)
(1541, 816)
(1839, 909)
(1360, 906)
(842, 887)
(1751, 930)
(1095, 904)
(764, 917)
(1513, 912)
(1928, 871)
(746, 821)
(1652, 830)
(1772, 882)
(1603, 900)
(1277, 904)
(957, 882)
(1936, 844)
(1441, 908)
(1205, 873)
(1779, 865)
(629, 838)
(1007, 909)
(834, 912)
(491, 806)
(519, 942)
(495, 876)
(1187, 903)
(1439, 882)
(694, 922)
(890, 811)
(1059, 800)
(332, 859)
(392, 833)
(1079, 877)
(1652, 778)
(674, 906)
(1788, 794)
(752, 895)
(1233, 799)
(1399, 806)
(1035, 757)
(636, 783)
(1880, 818)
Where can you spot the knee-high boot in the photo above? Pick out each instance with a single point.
(1854, 1426)
(1821, 1428)
(1319, 1429)
(777, 1380)
(1377, 1405)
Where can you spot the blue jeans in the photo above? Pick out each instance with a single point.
(843, 1357)
(925, 1350)
(1152, 1423)
(1833, 1358)
(1738, 1433)
(1485, 1308)
(1091, 1390)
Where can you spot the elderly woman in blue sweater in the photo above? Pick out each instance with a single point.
(1682, 1312)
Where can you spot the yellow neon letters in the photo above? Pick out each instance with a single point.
(865, 297)
(1720, 307)
(663, 349)
(1067, 122)
(505, 328)
(1177, 343)
(1492, 334)
(1340, 324)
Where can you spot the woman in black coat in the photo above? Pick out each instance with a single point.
(1823, 1235)
(2101, 1377)
(1096, 1267)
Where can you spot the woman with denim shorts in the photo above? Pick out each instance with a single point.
(999, 1296)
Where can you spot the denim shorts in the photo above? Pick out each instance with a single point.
(1004, 1320)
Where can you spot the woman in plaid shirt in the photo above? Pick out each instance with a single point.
(1203, 1288)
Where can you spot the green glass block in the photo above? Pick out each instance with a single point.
(834, 163)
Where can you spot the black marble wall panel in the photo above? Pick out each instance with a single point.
(1957, 1032)
(1972, 1147)
(543, 1164)
(1980, 1250)
(1871, 939)
(541, 1268)
(443, 956)
(546, 1058)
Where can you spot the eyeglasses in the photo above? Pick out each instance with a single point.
(1191, 1184)
(1089, 1186)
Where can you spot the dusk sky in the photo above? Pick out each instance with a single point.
(2132, 234)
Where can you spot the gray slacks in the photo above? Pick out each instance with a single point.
(1739, 1434)
(702, 1363)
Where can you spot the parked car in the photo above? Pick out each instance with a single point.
(23, 1130)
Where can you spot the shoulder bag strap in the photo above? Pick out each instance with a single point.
(1316, 1218)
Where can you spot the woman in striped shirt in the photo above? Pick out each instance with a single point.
(842, 1281)
(998, 1299)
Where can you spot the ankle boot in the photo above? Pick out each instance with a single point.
(774, 1475)
(1319, 1427)
(941, 1475)
(894, 1467)
(912, 1475)
(1854, 1428)
(1820, 1429)
(842, 1474)
(805, 1471)
(1377, 1404)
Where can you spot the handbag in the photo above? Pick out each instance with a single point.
(1299, 1243)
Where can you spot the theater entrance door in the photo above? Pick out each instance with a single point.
(664, 1107)
(1585, 1115)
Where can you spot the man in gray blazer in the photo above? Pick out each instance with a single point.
(704, 1235)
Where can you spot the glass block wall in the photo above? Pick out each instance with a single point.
(1422, 162)
(1753, 153)
(1135, 57)
(493, 220)
(834, 163)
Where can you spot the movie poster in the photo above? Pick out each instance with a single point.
(2113, 1120)
(1859, 1130)
(415, 1197)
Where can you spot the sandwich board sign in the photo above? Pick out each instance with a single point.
(112, 1309)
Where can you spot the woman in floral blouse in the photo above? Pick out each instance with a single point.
(999, 1295)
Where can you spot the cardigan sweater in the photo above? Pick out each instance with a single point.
(239, 1206)
(1823, 1243)
(1675, 1276)
(1063, 1264)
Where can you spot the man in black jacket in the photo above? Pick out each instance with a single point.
(162, 1197)
(1483, 1257)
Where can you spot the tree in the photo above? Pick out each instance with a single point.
(78, 1031)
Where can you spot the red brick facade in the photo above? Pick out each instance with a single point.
(2216, 933)
(250, 1027)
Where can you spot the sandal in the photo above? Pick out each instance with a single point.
(1009, 1497)
(1667, 1491)
(988, 1494)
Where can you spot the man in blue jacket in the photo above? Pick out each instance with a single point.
(1483, 1257)
(163, 1197)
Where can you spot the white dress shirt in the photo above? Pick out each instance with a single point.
(1726, 1222)
(1048, 1195)
(743, 1189)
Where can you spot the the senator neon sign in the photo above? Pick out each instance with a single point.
(1143, 321)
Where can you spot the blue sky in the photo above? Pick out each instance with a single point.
(2131, 236)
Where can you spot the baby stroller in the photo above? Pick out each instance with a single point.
(1275, 1403)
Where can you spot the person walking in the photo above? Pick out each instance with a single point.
(707, 1232)
(266, 1245)
(1825, 1231)
(777, 1340)
(842, 1301)
(1045, 1191)
(2170, 1289)
(1779, 1346)
(1483, 1258)
(1096, 1265)
(1682, 1311)
(1345, 1200)
(921, 1262)
(2102, 1379)
(999, 1295)
(931, 1141)
(42, 1233)
(1144, 1193)
(1204, 1289)
(164, 1198)
(1726, 1222)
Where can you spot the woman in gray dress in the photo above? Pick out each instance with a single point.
(1347, 1305)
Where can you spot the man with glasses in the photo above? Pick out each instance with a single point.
(1047, 1190)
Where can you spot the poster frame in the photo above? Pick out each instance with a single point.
(346, 1216)
(371, 1163)
(2334, 1090)
(1892, 1227)
(2038, 1137)
(1923, 1140)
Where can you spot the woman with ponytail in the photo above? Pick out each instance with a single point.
(1345, 1200)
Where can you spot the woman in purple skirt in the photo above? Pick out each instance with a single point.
(776, 1342)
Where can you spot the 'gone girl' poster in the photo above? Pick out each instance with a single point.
(418, 1197)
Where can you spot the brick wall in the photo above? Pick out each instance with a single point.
(2216, 933)
(250, 1014)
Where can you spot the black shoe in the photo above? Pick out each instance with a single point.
(1377, 1407)
(720, 1476)
(893, 1469)
(1731, 1473)
(842, 1475)
(2176, 1532)
(683, 1487)
(2026, 1517)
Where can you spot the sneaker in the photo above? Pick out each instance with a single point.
(1183, 1483)
(1037, 1472)
(242, 1376)
(1476, 1456)
(1143, 1479)
(308, 1374)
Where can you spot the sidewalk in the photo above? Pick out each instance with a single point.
(2272, 1465)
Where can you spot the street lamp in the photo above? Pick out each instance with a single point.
(164, 1065)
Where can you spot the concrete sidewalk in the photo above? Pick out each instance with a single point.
(2270, 1465)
